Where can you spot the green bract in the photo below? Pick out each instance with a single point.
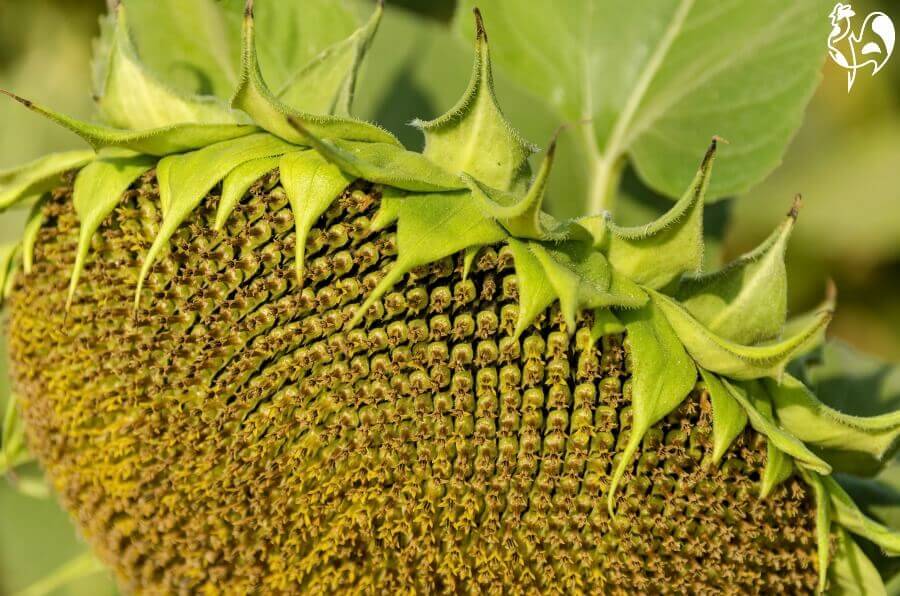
(472, 187)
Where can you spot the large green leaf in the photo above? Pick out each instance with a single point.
(658, 78)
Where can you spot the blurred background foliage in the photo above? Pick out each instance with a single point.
(845, 160)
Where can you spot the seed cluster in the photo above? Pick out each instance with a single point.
(232, 434)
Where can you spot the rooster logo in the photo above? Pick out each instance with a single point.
(872, 44)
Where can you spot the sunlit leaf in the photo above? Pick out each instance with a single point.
(662, 376)
(746, 301)
(732, 359)
(729, 418)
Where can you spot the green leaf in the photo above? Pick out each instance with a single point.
(254, 97)
(429, 228)
(30, 234)
(13, 452)
(326, 85)
(646, 76)
(732, 359)
(816, 424)
(474, 137)
(39, 176)
(535, 291)
(9, 257)
(656, 254)
(385, 163)
(312, 185)
(582, 278)
(798, 322)
(605, 323)
(729, 418)
(823, 526)
(238, 182)
(522, 216)
(185, 179)
(848, 515)
(132, 98)
(175, 138)
(746, 302)
(852, 573)
(98, 189)
(851, 381)
(662, 376)
(755, 402)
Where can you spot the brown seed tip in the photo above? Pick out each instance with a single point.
(480, 32)
(795, 207)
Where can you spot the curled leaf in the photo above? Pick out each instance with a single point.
(312, 185)
(474, 136)
(729, 418)
(755, 402)
(9, 256)
(238, 182)
(326, 85)
(383, 163)
(30, 234)
(662, 376)
(657, 253)
(823, 526)
(535, 291)
(174, 138)
(131, 97)
(522, 216)
(848, 515)
(816, 424)
(254, 97)
(582, 278)
(98, 189)
(746, 301)
(725, 357)
(38, 176)
(420, 219)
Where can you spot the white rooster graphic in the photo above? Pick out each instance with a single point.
(872, 44)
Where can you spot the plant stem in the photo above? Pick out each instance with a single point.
(605, 177)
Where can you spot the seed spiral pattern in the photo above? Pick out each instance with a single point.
(232, 436)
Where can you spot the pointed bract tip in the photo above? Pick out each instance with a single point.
(711, 151)
(379, 4)
(831, 291)
(248, 9)
(25, 102)
(795, 206)
(480, 32)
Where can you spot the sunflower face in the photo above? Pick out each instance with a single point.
(261, 348)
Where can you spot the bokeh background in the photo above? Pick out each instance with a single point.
(845, 160)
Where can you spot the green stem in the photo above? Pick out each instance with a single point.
(605, 179)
